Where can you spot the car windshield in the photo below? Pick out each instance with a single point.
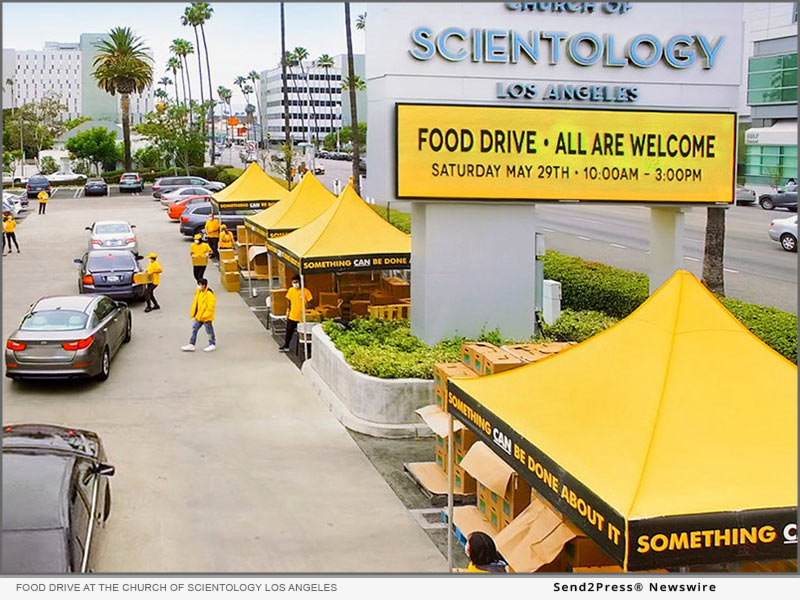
(54, 320)
(95, 181)
(111, 228)
(37, 180)
(110, 262)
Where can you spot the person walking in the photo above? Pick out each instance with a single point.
(483, 555)
(225, 238)
(199, 251)
(212, 233)
(202, 313)
(294, 312)
(9, 233)
(153, 268)
(43, 198)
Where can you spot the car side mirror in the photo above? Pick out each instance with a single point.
(133, 226)
(88, 228)
(77, 261)
(104, 469)
(139, 257)
(120, 304)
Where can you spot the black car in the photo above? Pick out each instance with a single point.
(193, 219)
(56, 499)
(95, 187)
(36, 184)
(783, 198)
(109, 272)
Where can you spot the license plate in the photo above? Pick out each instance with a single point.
(112, 278)
(115, 243)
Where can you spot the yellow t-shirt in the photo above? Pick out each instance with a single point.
(155, 269)
(296, 303)
(43, 197)
(201, 250)
(212, 227)
(5, 226)
(226, 239)
(10, 225)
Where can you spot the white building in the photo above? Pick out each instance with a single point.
(65, 69)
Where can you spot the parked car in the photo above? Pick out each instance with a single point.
(323, 154)
(117, 235)
(785, 197)
(168, 184)
(109, 272)
(193, 219)
(178, 193)
(36, 184)
(19, 199)
(175, 210)
(785, 232)
(319, 170)
(11, 204)
(131, 182)
(62, 177)
(362, 166)
(745, 195)
(95, 187)
(68, 337)
(56, 498)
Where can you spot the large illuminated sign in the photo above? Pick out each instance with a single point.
(467, 152)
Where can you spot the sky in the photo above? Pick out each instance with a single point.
(241, 36)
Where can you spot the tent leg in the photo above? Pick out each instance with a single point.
(249, 273)
(269, 304)
(303, 300)
(450, 486)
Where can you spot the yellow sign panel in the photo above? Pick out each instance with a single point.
(509, 153)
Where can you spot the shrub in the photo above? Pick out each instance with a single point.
(401, 220)
(577, 326)
(48, 165)
(778, 329)
(594, 286)
(228, 176)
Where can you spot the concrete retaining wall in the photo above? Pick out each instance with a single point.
(369, 405)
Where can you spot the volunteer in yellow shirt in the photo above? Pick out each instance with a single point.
(225, 238)
(154, 269)
(9, 233)
(483, 555)
(202, 312)
(199, 251)
(212, 233)
(43, 198)
(294, 313)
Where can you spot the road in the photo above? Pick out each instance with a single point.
(226, 461)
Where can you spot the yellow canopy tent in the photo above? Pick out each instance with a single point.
(253, 189)
(308, 200)
(670, 438)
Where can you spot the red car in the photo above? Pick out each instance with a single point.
(175, 209)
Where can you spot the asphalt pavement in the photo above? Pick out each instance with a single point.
(226, 461)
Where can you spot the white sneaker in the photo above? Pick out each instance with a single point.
(209, 348)
(188, 348)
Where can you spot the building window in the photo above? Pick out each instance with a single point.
(772, 79)
(770, 165)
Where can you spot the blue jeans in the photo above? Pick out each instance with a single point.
(196, 325)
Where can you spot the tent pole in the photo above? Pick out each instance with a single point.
(303, 301)
(249, 272)
(450, 486)
(269, 304)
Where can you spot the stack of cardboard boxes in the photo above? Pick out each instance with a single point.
(229, 270)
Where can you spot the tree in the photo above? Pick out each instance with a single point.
(10, 158)
(301, 54)
(203, 14)
(361, 21)
(181, 48)
(191, 18)
(329, 143)
(35, 125)
(10, 82)
(177, 139)
(97, 145)
(286, 129)
(173, 64)
(358, 84)
(149, 158)
(254, 76)
(714, 251)
(285, 160)
(326, 62)
(225, 96)
(122, 65)
(48, 165)
(73, 123)
(352, 87)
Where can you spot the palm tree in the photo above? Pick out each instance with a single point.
(361, 21)
(122, 65)
(203, 15)
(358, 84)
(289, 60)
(352, 87)
(254, 76)
(181, 48)
(190, 18)
(10, 82)
(301, 54)
(225, 96)
(159, 93)
(173, 64)
(714, 250)
(288, 138)
(326, 62)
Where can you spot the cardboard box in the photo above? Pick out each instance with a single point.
(463, 440)
(231, 281)
(199, 261)
(380, 298)
(396, 287)
(533, 352)
(241, 233)
(312, 315)
(241, 256)
(328, 299)
(498, 362)
(228, 265)
(472, 354)
(278, 302)
(359, 308)
(442, 372)
(142, 278)
(227, 254)
(584, 552)
(330, 312)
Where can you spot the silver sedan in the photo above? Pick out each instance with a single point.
(68, 337)
(112, 235)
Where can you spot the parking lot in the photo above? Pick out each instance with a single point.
(225, 461)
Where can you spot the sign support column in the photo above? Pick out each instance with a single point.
(666, 243)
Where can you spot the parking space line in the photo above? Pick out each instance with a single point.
(618, 246)
(730, 271)
(547, 230)
(584, 238)
(693, 259)
(589, 220)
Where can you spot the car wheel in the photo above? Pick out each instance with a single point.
(127, 337)
(105, 365)
(107, 504)
(767, 203)
(788, 242)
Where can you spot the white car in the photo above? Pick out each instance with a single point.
(179, 194)
(112, 235)
(55, 177)
(784, 231)
(13, 204)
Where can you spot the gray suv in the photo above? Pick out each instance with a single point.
(168, 184)
(193, 219)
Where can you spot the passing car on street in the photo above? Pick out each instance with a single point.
(784, 231)
(56, 498)
(117, 235)
(169, 184)
(193, 219)
(178, 194)
(175, 209)
(95, 187)
(68, 337)
(109, 272)
(745, 195)
(36, 184)
(131, 182)
(785, 197)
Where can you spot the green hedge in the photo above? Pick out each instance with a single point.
(577, 326)
(777, 328)
(401, 220)
(228, 176)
